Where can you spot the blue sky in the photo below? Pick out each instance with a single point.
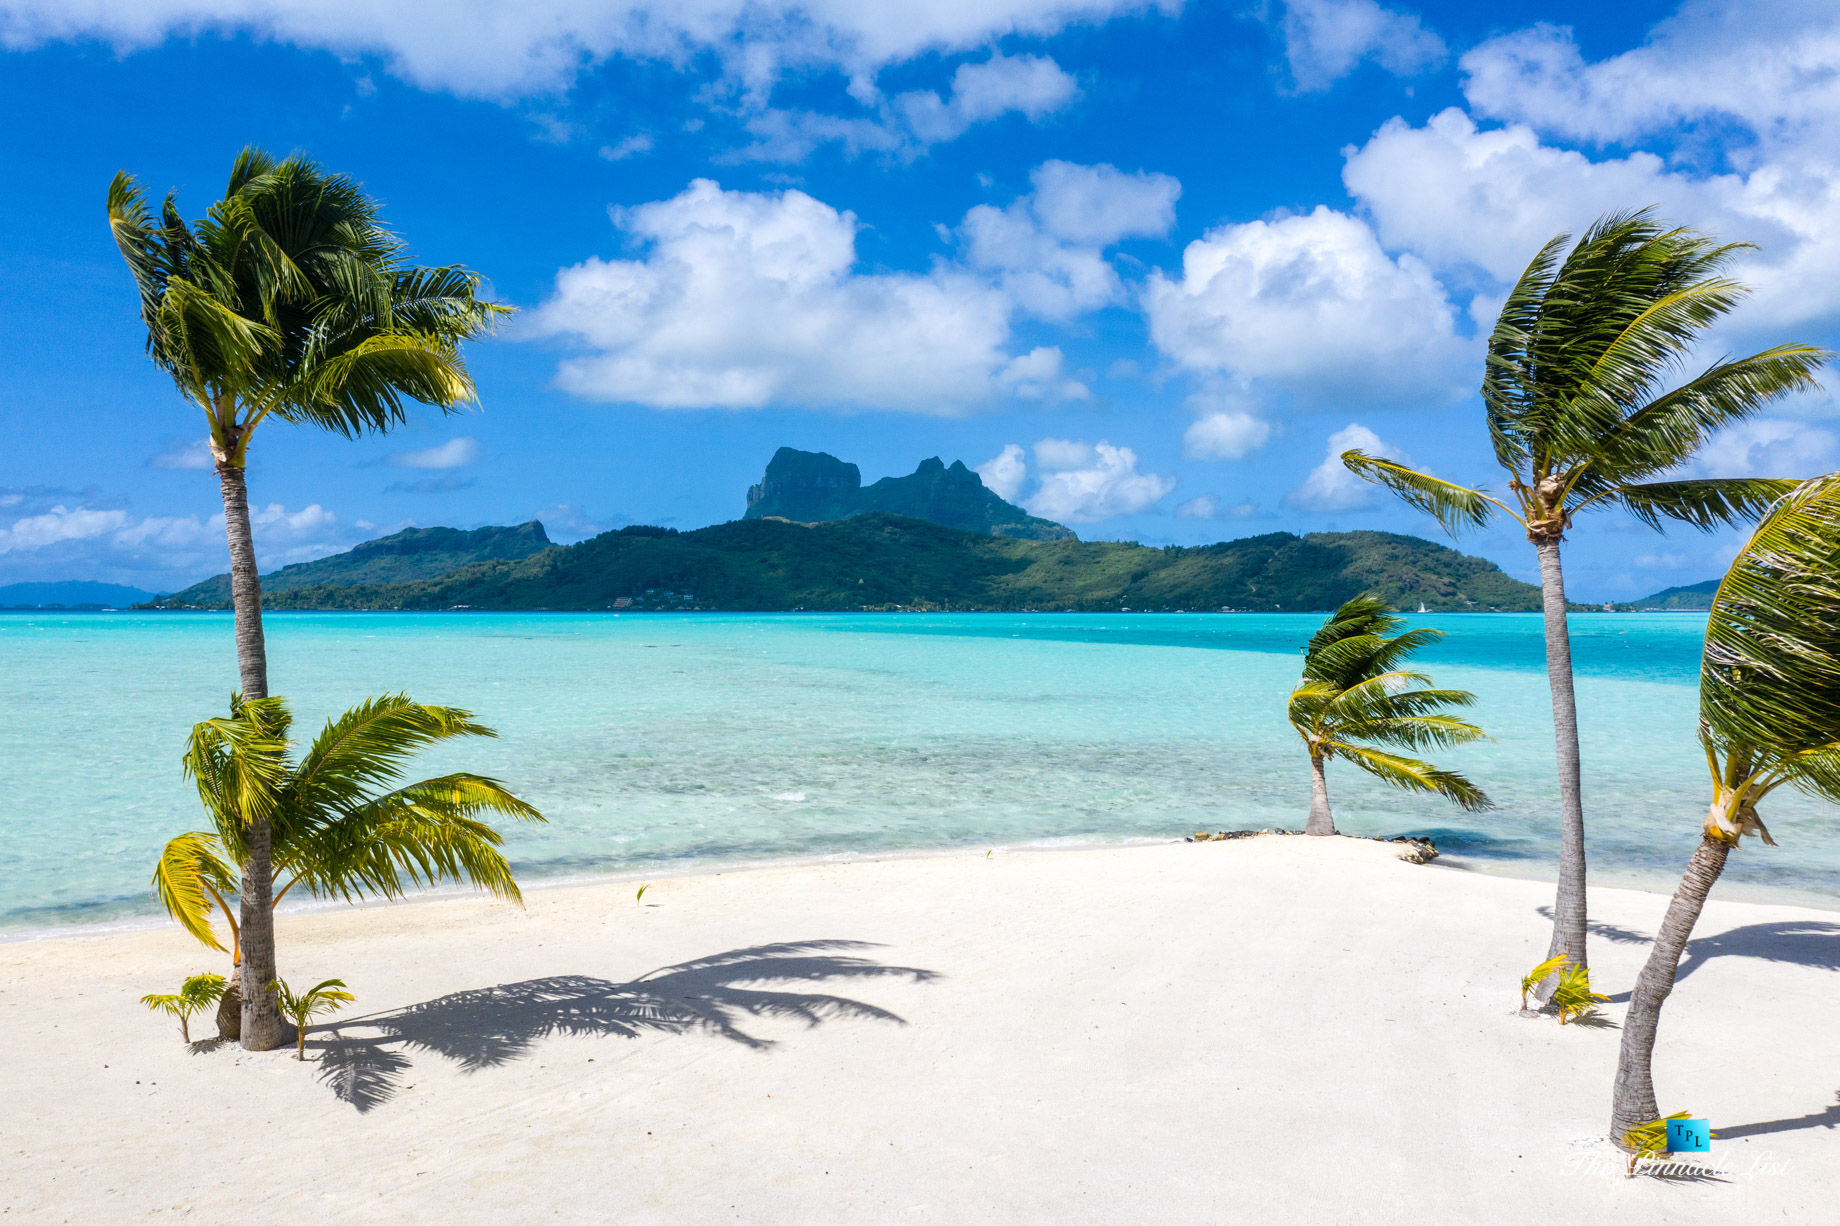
(1145, 265)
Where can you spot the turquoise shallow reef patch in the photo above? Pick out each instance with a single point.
(661, 741)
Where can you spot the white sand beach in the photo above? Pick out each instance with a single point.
(1269, 1030)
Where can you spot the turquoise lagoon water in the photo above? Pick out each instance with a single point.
(656, 742)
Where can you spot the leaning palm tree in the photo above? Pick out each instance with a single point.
(1769, 717)
(1354, 698)
(288, 300)
(1584, 413)
(334, 833)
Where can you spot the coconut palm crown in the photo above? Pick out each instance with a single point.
(290, 300)
(342, 825)
(1769, 708)
(1354, 698)
(1586, 411)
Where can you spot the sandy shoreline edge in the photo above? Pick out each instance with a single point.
(1536, 871)
(1274, 1029)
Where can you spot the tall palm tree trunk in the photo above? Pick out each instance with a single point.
(1633, 1101)
(262, 1028)
(1321, 822)
(1568, 936)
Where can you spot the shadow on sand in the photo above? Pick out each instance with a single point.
(1814, 943)
(1830, 1118)
(363, 1059)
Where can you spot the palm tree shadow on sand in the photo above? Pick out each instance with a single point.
(363, 1059)
(1814, 943)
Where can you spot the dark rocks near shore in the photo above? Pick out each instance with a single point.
(1418, 850)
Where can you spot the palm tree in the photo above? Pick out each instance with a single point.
(327, 996)
(334, 834)
(288, 300)
(1584, 414)
(1769, 716)
(1353, 698)
(197, 993)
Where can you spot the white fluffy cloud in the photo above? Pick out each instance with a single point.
(1330, 486)
(1461, 196)
(1225, 434)
(1031, 85)
(491, 49)
(187, 455)
(1047, 248)
(1325, 40)
(48, 533)
(747, 299)
(454, 453)
(1208, 506)
(1769, 67)
(1005, 472)
(1082, 483)
(1769, 447)
(1312, 304)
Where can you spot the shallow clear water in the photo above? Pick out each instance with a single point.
(661, 741)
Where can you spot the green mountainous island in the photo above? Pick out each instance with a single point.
(402, 557)
(814, 538)
(815, 487)
(1693, 597)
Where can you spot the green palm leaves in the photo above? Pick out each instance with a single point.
(197, 993)
(1769, 706)
(1582, 410)
(1355, 702)
(1586, 409)
(1770, 674)
(290, 298)
(342, 826)
(328, 996)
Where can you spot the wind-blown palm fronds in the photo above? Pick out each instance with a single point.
(1354, 699)
(1769, 717)
(340, 829)
(289, 299)
(1587, 410)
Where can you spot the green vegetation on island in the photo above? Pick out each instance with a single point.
(880, 561)
(1689, 597)
(813, 486)
(401, 557)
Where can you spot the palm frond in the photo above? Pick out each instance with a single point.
(419, 835)
(1361, 615)
(1351, 660)
(1705, 504)
(188, 869)
(1413, 731)
(367, 746)
(1666, 432)
(240, 764)
(366, 387)
(1770, 675)
(1413, 775)
(1454, 506)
